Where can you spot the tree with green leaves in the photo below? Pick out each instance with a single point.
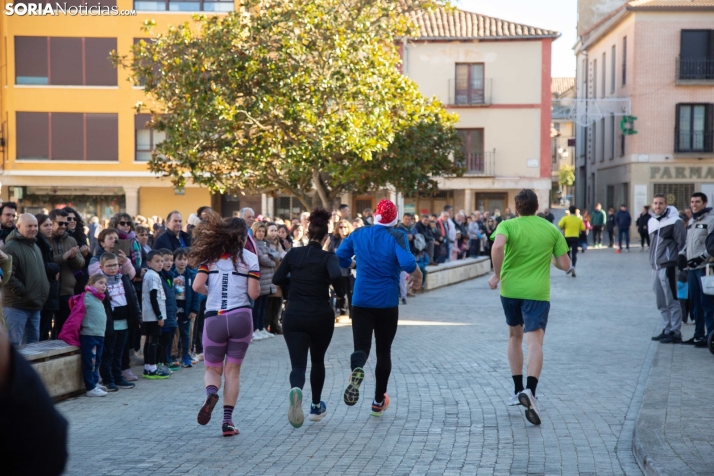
(297, 96)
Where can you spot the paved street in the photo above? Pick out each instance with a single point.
(449, 385)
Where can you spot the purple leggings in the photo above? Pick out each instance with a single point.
(227, 336)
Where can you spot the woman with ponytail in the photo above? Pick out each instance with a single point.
(229, 274)
(309, 320)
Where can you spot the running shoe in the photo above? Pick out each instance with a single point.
(187, 363)
(154, 375)
(229, 429)
(573, 273)
(173, 366)
(163, 372)
(317, 412)
(110, 387)
(204, 414)
(123, 384)
(513, 400)
(129, 375)
(378, 409)
(529, 401)
(101, 387)
(200, 356)
(295, 415)
(352, 391)
(96, 392)
(266, 334)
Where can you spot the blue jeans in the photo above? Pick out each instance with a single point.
(259, 313)
(184, 328)
(23, 325)
(625, 232)
(112, 355)
(702, 305)
(92, 348)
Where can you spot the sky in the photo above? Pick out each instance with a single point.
(558, 15)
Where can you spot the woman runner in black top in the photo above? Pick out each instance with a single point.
(309, 320)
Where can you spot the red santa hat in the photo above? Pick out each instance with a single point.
(386, 213)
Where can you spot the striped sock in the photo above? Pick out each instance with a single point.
(227, 414)
(211, 389)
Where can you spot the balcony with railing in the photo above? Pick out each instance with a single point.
(480, 163)
(476, 93)
(695, 70)
(693, 142)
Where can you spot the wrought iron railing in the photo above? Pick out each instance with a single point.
(693, 141)
(693, 69)
(480, 163)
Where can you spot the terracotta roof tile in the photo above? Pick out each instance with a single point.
(460, 24)
(560, 85)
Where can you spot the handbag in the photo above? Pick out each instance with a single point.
(708, 283)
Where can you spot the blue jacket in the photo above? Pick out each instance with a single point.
(623, 220)
(192, 297)
(171, 307)
(381, 253)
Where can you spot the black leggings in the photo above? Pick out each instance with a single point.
(313, 333)
(644, 238)
(573, 244)
(383, 323)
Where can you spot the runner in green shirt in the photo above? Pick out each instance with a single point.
(522, 252)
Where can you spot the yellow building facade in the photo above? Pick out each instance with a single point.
(70, 134)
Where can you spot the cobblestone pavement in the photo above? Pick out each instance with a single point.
(449, 385)
(675, 427)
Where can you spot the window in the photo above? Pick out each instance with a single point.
(612, 70)
(585, 76)
(64, 61)
(602, 140)
(678, 194)
(622, 145)
(291, 207)
(612, 137)
(473, 149)
(696, 54)
(594, 79)
(603, 81)
(184, 5)
(469, 84)
(624, 61)
(694, 128)
(146, 138)
(67, 136)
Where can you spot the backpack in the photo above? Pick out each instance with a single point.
(419, 242)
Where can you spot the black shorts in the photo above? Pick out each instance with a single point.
(151, 328)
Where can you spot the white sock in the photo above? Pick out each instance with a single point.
(152, 368)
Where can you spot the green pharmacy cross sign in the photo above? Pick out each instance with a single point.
(627, 125)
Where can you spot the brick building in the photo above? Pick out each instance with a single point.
(659, 55)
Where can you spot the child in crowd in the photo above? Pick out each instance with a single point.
(683, 294)
(91, 333)
(187, 301)
(170, 324)
(123, 306)
(108, 238)
(154, 314)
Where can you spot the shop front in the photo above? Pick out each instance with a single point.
(102, 202)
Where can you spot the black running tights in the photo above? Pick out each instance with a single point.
(383, 323)
(313, 333)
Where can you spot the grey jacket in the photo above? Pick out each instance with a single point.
(697, 231)
(268, 259)
(667, 238)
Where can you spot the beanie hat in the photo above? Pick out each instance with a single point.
(386, 213)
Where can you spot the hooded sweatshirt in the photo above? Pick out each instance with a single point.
(700, 227)
(667, 238)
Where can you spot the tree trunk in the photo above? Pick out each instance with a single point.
(321, 189)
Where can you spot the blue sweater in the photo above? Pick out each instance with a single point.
(381, 253)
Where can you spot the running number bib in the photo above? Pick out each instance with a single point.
(228, 286)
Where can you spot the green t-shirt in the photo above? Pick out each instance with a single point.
(531, 241)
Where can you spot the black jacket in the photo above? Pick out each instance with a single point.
(52, 268)
(425, 231)
(311, 271)
(169, 241)
(134, 318)
(5, 232)
(25, 407)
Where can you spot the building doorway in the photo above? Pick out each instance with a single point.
(488, 202)
(362, 203)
